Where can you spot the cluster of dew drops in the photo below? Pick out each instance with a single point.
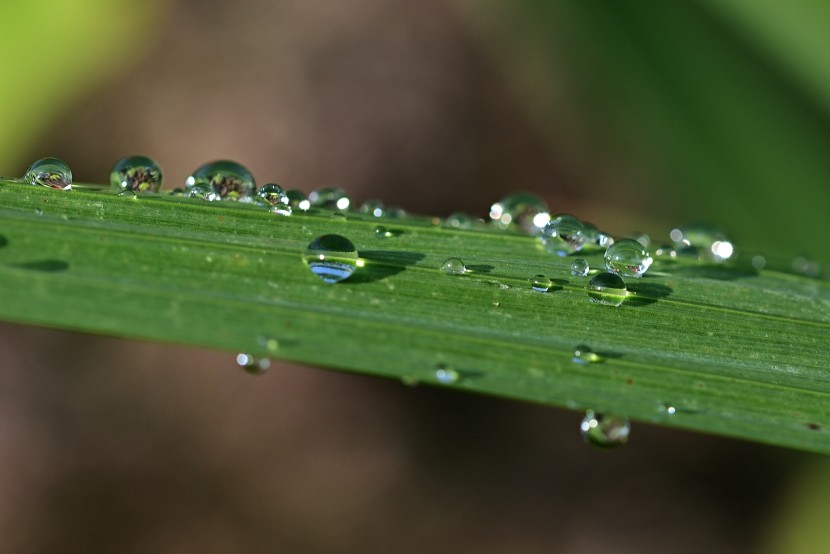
(333, 258)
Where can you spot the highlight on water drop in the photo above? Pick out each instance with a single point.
(607, 289)
(584, 355)
(604, 431)
(225, 179)
(522, 210)
(446, 375)
(564, 234)
(628, 258)
(252, 364)
(137, 174)
(53, 173)
(330, 198)
(713, 243)
(297, 200)
(373, 207)
(453, 266)
(332, 258)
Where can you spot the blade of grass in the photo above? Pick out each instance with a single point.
(735, 351)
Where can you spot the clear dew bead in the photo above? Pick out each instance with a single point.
(604, 431)
(330, 198)
(297, 200)
(53, 173)
(594, 237)
(580, 267)
(628, 258)
(271, 195)
(228, 180)
(541, 283)
(607, 289)
(458, 220)
(382, 232)
(332, 258)
(563, 235)
(446, 375)
(584, 355)
(713, 243)
(251, 364)
(202, 191)
(136, 174)
(453, 266)
(374, 208)
(521, 210)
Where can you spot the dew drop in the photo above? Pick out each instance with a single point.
(712, 242)
(446, 375)
(759, 262)
(563, 235)
(372, 207)
(228, 181)
(297, 200)
(136, 174)
(330, 198)
(202, 192)
(332, 258)
(281, 208)
(628, 258)
(580, 267)
(458, 220)
(595, 237)
(584, 355)
(541, 283)
(453, 266)
(251, 364)
(53, 173)
(522, 210)
(269, 343)
(667, 409)
(270, 195)
(604, 431)
(382, 232)
(607, 289)
(806, 266)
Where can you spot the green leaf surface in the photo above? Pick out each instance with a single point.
(736, 351)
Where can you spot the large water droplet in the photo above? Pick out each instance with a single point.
(453, 266)
(50, 172)
(228, 180)
(446, 375)
(329, 199)
(332, 258)
(607, 289)
(580, 267)
(252, 364)
(604, 431)
(712, 242)
(584, 355)
(521, 210)
(628, 258)
(136, 174)
(541, 283)
(563, 235)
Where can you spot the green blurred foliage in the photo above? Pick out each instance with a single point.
(55, 52)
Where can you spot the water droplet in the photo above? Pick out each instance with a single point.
(595, 237)
(228, 180)
(604, 431)
(521, 210)
(271, 195)
(628, 258)
(607, 289)
(580, 267)
(269, 343)
(202, 191)
(373, 208)
(667, 409)
(458, 220)
(329, 199)
(281, 208)
(253, 365)
(136, 174)
(806, 266)
(541, 283)
(584, 355)
(332, 258)
(382, 232)
(445, 375)
(563, 235)
(759, 262)
(665, 251)
(712, 242)
(49, 172)
(297, 200)
(453, 266)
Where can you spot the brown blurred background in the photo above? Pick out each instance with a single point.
(437, 106)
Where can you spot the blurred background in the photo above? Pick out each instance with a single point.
(637, 116)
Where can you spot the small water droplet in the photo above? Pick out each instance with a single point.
(667, 409)
(607, 289)
(332, 258)
(270, 195)
(330, 198)
(269, 343)
(228, 181)
(136, 174)
(453, 266)
(372, 207)
(446, 375)
(665, 251)
(711, 242)
(604, 431)
(202, 191)
(53, 173)
(541, 283)
(297, 200)
(584, 355)
(580, 267)
(563, 235)
(458, 220)
(806, 266)
(382, 232)
(251, 364)
(759, 262)
(281, 208)
(522, 210)
(628, 258)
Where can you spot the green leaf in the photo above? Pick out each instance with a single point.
(735, 351)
